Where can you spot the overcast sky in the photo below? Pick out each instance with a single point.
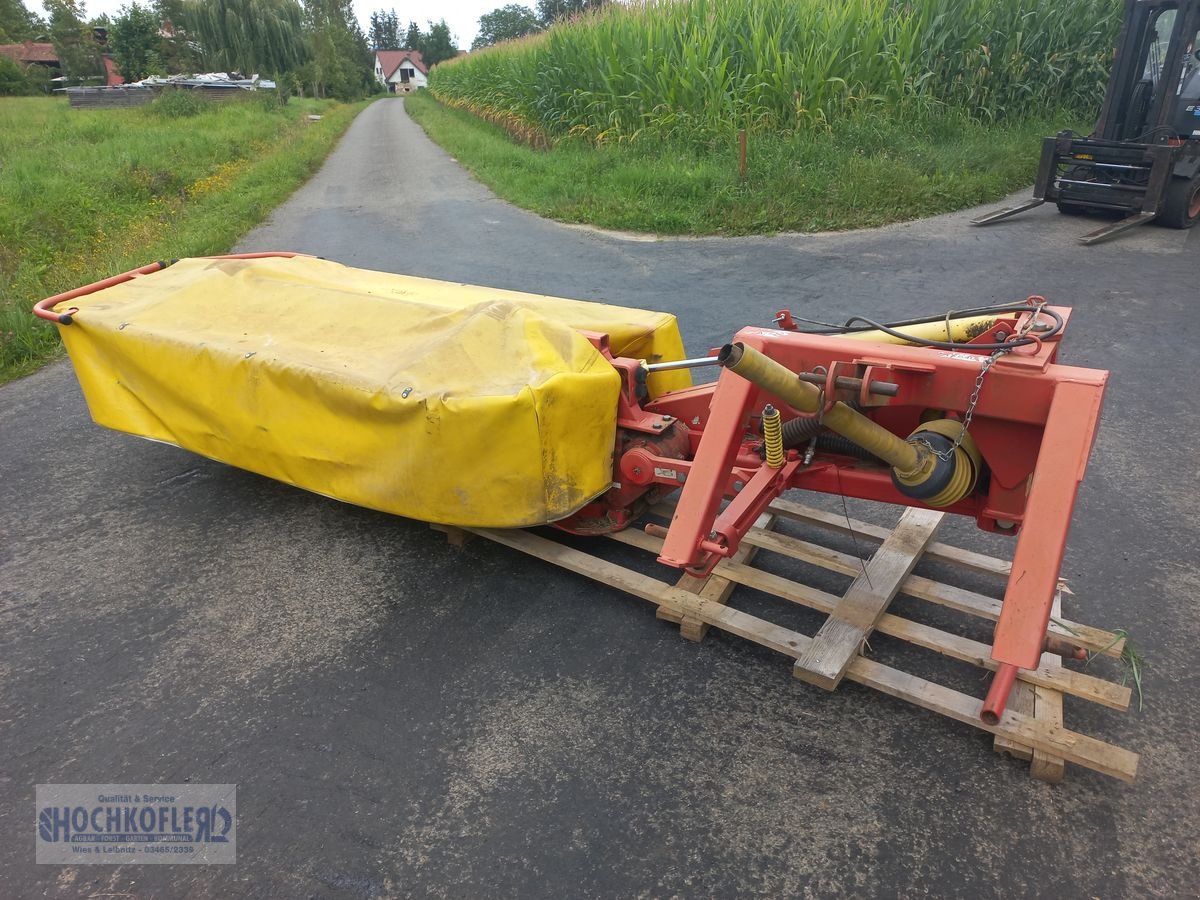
(461, 15)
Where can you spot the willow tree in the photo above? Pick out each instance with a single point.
(249, 36)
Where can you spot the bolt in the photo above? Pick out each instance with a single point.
(668, 418)
(656, 425)
(1005, 524)
(695, 420)
(712, 535)
(737, 485)
(637, 470)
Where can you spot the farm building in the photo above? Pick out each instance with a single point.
(401, 71)
(32, 53)
(37, 53)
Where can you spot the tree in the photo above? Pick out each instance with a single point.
(18, 24)
(413, 37)
(74, 42)
(135, 42)
(179, 52)
(550, 11)
(504, 24)
(341, 64)
(14, 80)
(437, 45)
(385, 30)
(248, 36)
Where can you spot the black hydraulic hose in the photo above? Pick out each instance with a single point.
(835, 443)
(892, 328)
(800, 430)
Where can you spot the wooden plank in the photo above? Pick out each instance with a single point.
(715, 587)
(455, 536)
(841, 636)
(799, 512)
(1048, 707)
(967, 559)
(1056, 678)
(1077, 748)
(1019, 701)
(1094, 640)
(1079, 684)
(635, 537)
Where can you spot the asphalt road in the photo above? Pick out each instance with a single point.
(406, 718)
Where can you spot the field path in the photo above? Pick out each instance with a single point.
(405, 718)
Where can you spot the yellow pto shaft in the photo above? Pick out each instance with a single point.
(918, 472)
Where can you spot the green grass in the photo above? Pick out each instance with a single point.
(869, 169)
(85, 194)
(859, 112)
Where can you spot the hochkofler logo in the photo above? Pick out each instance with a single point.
(80, 824)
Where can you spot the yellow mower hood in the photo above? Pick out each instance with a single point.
(444, 402)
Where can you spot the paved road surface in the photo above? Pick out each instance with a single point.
(405, 718)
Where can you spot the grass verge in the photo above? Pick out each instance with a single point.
(869, 170)
(85, 194)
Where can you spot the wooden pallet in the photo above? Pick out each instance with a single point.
(1032, 726)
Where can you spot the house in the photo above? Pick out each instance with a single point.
(402, 71)
(32, 53)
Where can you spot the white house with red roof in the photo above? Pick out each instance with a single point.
(401, 71)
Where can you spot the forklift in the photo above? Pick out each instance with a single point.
(1143, 158)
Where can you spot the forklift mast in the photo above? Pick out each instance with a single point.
(1142, 160)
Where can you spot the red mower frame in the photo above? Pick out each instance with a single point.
(1034, 424)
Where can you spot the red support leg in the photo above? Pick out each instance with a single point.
(1066, 444)
(705, 487)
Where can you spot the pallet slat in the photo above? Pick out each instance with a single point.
(853, 619)
(977, 653)
(714, 587)
(1048, 707)
(1042, 735)
(1094, 640)
(968, 559)
(1057, 678)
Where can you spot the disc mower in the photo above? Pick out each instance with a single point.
(484, 408)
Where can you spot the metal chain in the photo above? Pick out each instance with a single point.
(984, 366)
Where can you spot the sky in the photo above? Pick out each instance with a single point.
(461, 15)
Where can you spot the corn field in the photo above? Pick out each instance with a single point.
(703, 68)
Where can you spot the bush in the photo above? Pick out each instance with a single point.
(271, 101)
(15, 81)
(178, 103)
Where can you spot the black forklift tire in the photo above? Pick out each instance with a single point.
(1181, 207)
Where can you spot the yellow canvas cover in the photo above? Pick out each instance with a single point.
(443, 402)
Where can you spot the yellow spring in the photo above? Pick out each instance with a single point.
(772, 436)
